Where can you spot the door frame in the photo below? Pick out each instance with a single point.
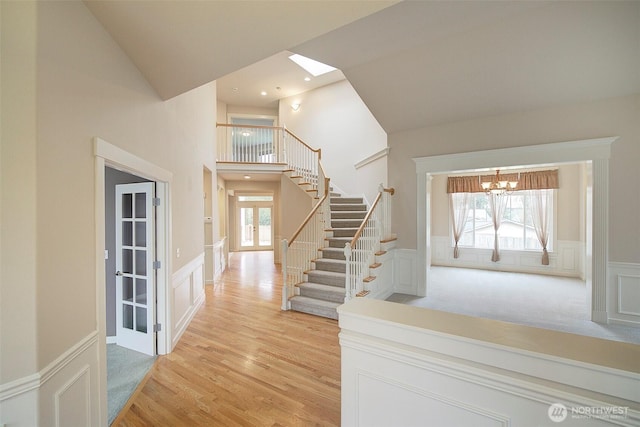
(108, 155)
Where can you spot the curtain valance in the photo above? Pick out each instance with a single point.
(538, 180)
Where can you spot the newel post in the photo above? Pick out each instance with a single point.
(285, 286)
(347, 281)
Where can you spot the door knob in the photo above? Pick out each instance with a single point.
(118, 273)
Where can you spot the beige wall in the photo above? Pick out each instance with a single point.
(335, 119)
(18, 191)
(610, 117)
(87, 87)
(296, 205)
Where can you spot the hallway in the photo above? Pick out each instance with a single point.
(242, 361)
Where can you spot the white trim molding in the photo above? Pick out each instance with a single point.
(594, 151)
(372, 158)
(623, 294)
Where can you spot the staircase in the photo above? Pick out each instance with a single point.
(324, 288)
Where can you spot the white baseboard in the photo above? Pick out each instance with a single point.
(112, 340)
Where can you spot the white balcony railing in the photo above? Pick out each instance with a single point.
(360, 253)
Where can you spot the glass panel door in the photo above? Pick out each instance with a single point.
(246, 227)
(264, 227)
(255, 229)
(135, 278)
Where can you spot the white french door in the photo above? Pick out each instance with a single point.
(255, 229)
(135, 274)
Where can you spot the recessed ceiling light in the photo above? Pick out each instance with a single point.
(263, 93)
(247, 177)
(235, 89)
(311, 66)
(307, 79)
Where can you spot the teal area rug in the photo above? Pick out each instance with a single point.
(125, 369)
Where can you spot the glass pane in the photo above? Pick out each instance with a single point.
(127, 261)
(127, 206)
(127, 316)
(141, 234)
(263, 198)
(127, 289)
(264, 230)
(141, 262)
(141, 205)
(246, 226)
(141, 319)
(141, 291)
(127, 233)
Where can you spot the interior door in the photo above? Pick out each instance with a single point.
(135, 274)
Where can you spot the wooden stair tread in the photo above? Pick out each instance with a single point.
(379, 253)
(369, 279)
(390, 239)
(363, 293)
(375, 265)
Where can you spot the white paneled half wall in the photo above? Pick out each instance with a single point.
(410, 366)
(567, 259)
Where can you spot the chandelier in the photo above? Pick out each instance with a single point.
(498, 185)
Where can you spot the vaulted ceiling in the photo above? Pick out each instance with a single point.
(414, 63)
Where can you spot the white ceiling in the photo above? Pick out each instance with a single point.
(414, 63)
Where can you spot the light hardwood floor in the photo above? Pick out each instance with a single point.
(243, 361)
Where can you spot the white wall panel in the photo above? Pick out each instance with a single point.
(404, 271)
(566, 260)
(623, 293)
(188, 296)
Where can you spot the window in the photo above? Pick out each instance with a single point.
(516, 232)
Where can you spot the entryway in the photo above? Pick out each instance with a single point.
(254, 225)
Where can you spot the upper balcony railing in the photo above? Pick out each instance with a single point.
(268, 144)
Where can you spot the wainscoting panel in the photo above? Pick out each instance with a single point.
(220, 252)
(565, 260)
(64, 393)
(188, 295)
(72, 402)
(623, 293)
(404, 271)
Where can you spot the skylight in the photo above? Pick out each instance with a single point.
(312, 66)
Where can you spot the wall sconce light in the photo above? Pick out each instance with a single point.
(295, 106)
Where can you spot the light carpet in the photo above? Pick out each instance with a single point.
(548, 302)
(125, 370)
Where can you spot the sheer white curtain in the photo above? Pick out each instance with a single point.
(497, 203)
(541, 201)
(458, 210)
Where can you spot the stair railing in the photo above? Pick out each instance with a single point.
(269, 144)
(299, 251)
(361, 251)
(302, 159)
